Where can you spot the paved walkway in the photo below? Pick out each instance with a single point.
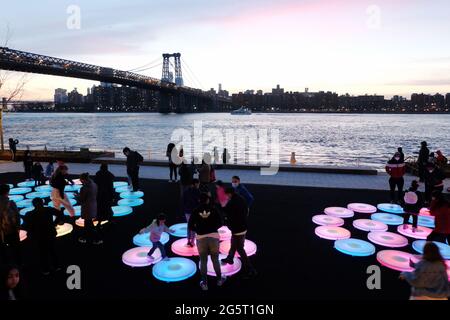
(303, 179)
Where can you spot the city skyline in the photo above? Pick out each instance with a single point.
(355, 47)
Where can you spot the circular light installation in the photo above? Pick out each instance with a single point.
(131, 194)
(444, 249)
(390, 208)
(38, 194)
(80, 222)
(179, 230)
(419, 233)
(226, 269)
(424, 212)
(174, 269)
(327, 220)
(424, 221)
(10, 185)
(355, 247)
(138, 257)
(77, 211)
(130, 202)
(45, 188)
(249, 247)
(362, 207)
(332, 233)
(181, 248)
(22, 190)
(72, 188)
(27, 184)
(123, 189)
(143, 239)
(387, 239)
(120, 211)
(224, 233)
(72, 202)
(77, 181)
(25, 210)
(64, 229)
(16, 198)
(24, 203)
(339, 212)
(396, 260)
(387, 218)
(22, 235)
(21, 221)
(70, 195)
(369, 225)
(118, 184)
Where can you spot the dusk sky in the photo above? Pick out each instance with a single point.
(355, 46)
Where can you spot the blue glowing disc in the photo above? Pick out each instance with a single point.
(143, 240)
(29, 184)
(22, 190)
(180, 230)
(10, 185)
(45, 188)
(73, 188)
(174, 269)
(444, 249)
(387, 218)
(15, 198)
(355, 247)
(24, 203)
(118, 184)
(25, 210)
(70, 195)
(123, 189)
(38, 194)
(76, 208)
(21, 221)
(390, 208)
(130, 202)
(120, 211)
(72, 202)
(424, 221)
(131, 194)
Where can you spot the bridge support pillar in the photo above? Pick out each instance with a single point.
(165, 102)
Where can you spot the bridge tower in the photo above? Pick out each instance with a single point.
(167, 75)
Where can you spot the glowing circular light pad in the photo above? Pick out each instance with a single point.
(72, 188)
(24, 203)
(137, 257)
(10, 185)
(16, 191)
(77, 211)
(327, 220)
(355, 247)
(62, 230)
(180, 230)
(16, 198)
(180, 248)
(424, 221)
(77, 181)
(70, 195)
(424, 212)
(123, 189)
(174, 269)
(118, 184)
(332, 233)
(25, 210)
(339, 212)
(387, 239)
(38, 194)
(394, 259)
(80, 222)
(43, 188)
(224, 233)
(21, 221)
(131, 194)
(143, 240)
(390, 208)
(444, 249)
(28, 184)
(387, 218)
(226, 270)
(130, 202)
(369, 225)
(120, 211)
(22, 235)
(420, 233)
(362, 208)
(249, 247)
(72, 202)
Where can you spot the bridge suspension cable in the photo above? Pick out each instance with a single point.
(146, 65)
(187, 68)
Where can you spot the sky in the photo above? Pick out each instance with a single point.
(345, 46)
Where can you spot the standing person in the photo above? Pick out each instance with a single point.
(134, 159)
(49, 169)
(412, 203)
(11, 288)
(191, 200)
(422, 160)
(41, 229)
(429, 280)
(396, 170)
(9, 228)
(88, 203)
(156, 228)
(434, 180)
(204, 174)
(58, 183)
(236, 212)
(402, 155)
(242, 191)
(216, 156)
(186, 176)
(13, 147)
(38, 174)
(221, 196)
(104, 180)
(206, 221)
(172, 154)
(441, 160)
(432, 158)
(28, 164)
(440, 210)
(225, 156)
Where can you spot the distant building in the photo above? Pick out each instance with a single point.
(75, 98)
(60, 96)
(447, 100)
(278, 90)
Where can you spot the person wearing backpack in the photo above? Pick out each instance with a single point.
(134, 159)
(412, 203)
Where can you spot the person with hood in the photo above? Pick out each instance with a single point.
(396, 170)
(38, 174)
(134, 159)
(242, 191)
(441, 160)
(28, 165)
(434, 180)
(412, 203)
(88, 202)
(58, 182)
(104, 180)
(9, 228)
(429, 280)
(206, 221)
(13, 147)
(422, 160)
(440, 210)
(172, 155)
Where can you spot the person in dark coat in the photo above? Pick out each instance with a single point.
(9, 228)
(28, 165)
(134, 159)
(88, 202)
(396, 169)
(38, 174)
(13, 147)
(172, 154)
(191, 200)
(104, 180)
(422, 161)
(434, 180)
(412, 203)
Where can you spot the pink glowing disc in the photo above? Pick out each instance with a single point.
(326, 220)
(249, 247)
(394, 259)
(387, 239)
(22, 235)
(362, 208)
(80, 222)
(181, 248)
(224, 233)
(369, 225)
(420, 233)
(227, 269)
(332, 233)
(424, 212)
(77, 181)
(137, 257)
(339, 212)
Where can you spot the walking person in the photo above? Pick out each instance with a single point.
(13, 148)
(206, 221)
(242, 191)
(156, 228)
(38, 174)
(88, 203)
(396, 170)
(172, 156)
(28, 165)
(104, 180)
(134, 159)
(58, 182)
(434, 181)
(236, 213)
(429, 280)
(440, 210)
(9, 228)
(191, 200)
(412, 203)
(422, 160)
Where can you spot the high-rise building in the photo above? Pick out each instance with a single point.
(447, 100)
(60, 96)
(75, 98)
(278, 90)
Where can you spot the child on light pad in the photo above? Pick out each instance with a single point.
(156, 228)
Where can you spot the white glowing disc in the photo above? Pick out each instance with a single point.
(226, 269)
(224, 233)
(80, 222)
(62, 230)
(387, 239)
(327, 220)
(332, 233)
(339, 212)
(369, 225)
(180, 248)
(249, 247)
(396, 260)
(137, 257)
(362, 207)
(419, 233)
